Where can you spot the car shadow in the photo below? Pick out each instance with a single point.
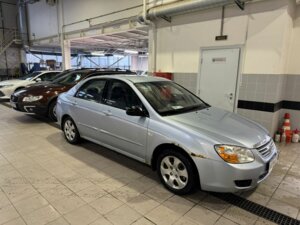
(101, 151)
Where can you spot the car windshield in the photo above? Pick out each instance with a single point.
(30, 76)
(70, 78)
(169, 98)
(59, 75)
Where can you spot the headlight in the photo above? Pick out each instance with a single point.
(6, 85)
(234, 154)
(32, 98)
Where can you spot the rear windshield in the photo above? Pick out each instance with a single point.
(30, 76)
(70, 78)
(59, 75)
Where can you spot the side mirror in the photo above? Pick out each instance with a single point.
(136, 111)
(38, 79)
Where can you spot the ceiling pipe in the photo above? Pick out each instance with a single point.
(22, 23)
(185, 6)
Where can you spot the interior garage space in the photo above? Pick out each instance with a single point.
(146, 112)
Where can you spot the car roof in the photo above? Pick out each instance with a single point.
(49, 71)
(135, 78)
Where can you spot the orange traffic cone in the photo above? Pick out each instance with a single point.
(286, 124)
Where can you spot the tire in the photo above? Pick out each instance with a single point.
(70, 131)
(51, 111)
(176, 172)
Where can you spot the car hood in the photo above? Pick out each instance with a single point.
(14, 82)
(44, 88)
(39, 83)
(222, 126)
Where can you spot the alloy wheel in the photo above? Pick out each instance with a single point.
(174, 172)
(70, 130)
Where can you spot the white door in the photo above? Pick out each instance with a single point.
(218, 77)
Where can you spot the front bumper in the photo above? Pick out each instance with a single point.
(4, 94)
(28, 107)
(219, 176)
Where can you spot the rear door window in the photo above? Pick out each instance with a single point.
(121, 95)
(92, 90)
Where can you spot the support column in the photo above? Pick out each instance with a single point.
(66, 54)
(23, 58)
(64, 44)
(152, 49)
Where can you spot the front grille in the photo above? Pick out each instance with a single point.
(243, 183)
(266, 149)
(14, 98)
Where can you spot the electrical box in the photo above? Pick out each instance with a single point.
(164, 75)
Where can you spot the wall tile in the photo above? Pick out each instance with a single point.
(187, 80)
(270, 88)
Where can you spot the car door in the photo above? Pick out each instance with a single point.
(127, 133)
(87, 109)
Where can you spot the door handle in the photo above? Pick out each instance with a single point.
(74, 103)
(107, 113)
(230, 96)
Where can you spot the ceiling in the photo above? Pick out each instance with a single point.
(136, 39)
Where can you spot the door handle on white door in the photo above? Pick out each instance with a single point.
(74, 103)
(230, 96)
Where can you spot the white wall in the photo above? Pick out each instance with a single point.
(261, 29)
(293, 61)
(43, 18)
(139, 63)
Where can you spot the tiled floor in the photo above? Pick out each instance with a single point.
(44, 180)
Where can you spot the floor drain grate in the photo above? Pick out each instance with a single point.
(257, 209)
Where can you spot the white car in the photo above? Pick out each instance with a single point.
(8, 87)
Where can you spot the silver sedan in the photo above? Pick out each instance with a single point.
(156, 121)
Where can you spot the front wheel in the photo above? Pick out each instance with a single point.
(70, 131)
(176, 172)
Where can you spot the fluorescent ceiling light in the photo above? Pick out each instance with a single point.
(131, 51)
(98, 53)
(119, 56)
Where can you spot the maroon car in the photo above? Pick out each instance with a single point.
(41, 98)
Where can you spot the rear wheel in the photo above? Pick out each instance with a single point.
(52, 111)
(70, 131)
(176, 172)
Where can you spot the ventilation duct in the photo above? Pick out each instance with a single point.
(186, 6)
(22, 22)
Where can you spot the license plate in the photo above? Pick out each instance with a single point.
(272, 163)
(14, 105)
